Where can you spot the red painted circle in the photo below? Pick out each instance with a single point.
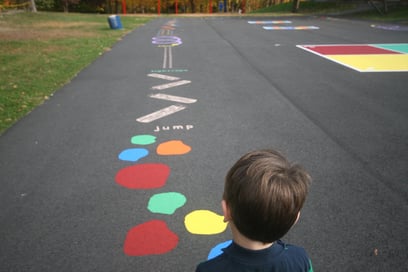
(150, 238)
(143, 176)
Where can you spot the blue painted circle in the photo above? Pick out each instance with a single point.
(217, 250)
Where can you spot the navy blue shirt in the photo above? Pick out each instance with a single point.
(279, 257)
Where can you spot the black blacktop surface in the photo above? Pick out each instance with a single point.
(62, 209)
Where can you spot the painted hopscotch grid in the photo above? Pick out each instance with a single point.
(280, 25)
(269, 22)
(290, 27)
(391, 57)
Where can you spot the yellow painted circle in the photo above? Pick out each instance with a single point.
(204, 222)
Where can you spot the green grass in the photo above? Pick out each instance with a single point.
(40, 52)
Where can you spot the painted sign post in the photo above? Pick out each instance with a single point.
(124, 6)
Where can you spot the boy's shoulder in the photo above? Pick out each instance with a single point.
(278, 257)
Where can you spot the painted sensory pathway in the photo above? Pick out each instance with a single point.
(155, 236)
(392, 57)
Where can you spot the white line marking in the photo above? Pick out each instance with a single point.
(160, 113)
(305, 47)
(164, 57)
(171, 85)
(166, 77)
(170, 58)
(173, 98)
(167, 56)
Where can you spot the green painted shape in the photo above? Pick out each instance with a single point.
(398, 47)
(166, 203)
(143, 139)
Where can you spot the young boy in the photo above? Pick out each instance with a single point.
(263, 196)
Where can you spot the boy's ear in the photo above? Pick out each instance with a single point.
(297, 218)
(226, 211)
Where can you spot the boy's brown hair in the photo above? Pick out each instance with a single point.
(265, 194)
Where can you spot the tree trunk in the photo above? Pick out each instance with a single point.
(33, 6)
(192, 6)
(116, 6)
(65, 4)
(295, 7)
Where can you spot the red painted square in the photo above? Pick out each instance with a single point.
(348, 49)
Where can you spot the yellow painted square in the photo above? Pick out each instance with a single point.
(373, 63)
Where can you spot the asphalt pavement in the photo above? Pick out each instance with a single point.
(122, 169)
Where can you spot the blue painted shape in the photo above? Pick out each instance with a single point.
(133, 154)
(217, 250)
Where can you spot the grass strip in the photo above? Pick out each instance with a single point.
(41, 52)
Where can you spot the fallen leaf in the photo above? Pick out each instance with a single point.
(375, 251)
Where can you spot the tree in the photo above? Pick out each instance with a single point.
(192, 6)
(66, 3)
(33, 7)
(295, 7)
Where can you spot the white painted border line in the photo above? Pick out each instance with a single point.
(348, 44)
(166, 77)
(165, 57)
(171, 85)
(323, 56)
(173, 98)
(170, 58)
(160, 113)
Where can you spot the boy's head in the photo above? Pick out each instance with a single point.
(264, 194)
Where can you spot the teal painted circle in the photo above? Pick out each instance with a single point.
(166, 203)
(143, 139)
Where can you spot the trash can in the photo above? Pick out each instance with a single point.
(114, 22)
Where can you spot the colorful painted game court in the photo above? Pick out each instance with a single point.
(391, 57)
